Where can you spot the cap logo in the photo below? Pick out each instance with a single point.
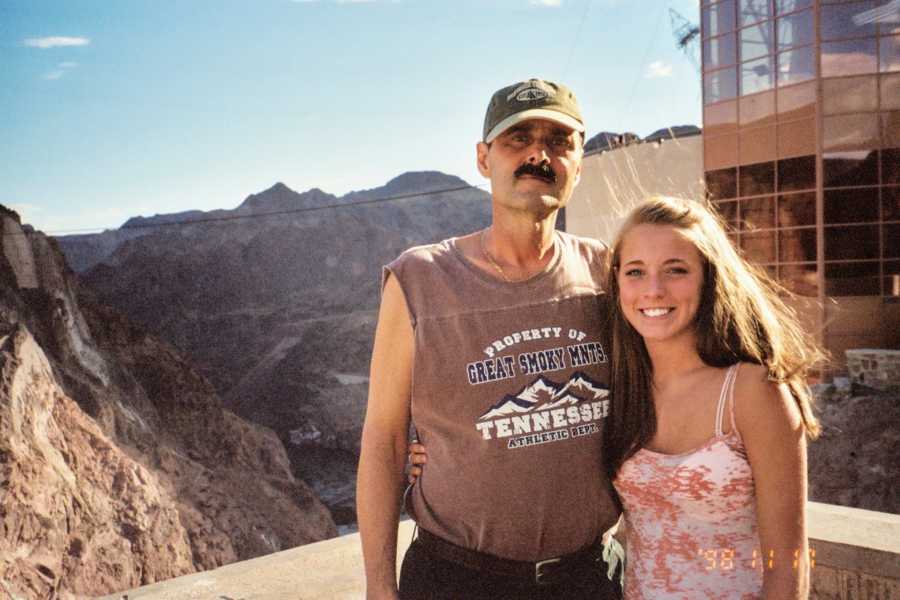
(531, 91)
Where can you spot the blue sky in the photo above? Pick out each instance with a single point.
(110, 109)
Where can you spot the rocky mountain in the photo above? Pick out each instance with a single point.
(275, 302)
(119, 465)
(607, 140)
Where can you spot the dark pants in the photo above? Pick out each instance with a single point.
(427, 577)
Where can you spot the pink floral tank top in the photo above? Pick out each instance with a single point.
(691, 519)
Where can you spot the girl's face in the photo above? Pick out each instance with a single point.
(660, 280)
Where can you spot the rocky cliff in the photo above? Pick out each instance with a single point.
(275, 301)
(119, 466)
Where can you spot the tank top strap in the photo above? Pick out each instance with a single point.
(726, 396)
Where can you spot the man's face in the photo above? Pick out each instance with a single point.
(533, 166)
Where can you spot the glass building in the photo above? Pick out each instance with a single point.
(801, 120)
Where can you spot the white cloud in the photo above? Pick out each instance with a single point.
(54, 75)
(305, 1)
(658, 69)
(553, 3)
(354, 1)
(56, 42)
(67, 65)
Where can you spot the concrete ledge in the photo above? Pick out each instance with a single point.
(329, 570)
(857, 557)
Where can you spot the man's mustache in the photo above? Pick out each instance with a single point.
(542, 170)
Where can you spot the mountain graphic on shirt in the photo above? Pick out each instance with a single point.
(545, 394)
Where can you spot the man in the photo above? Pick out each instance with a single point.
(493, 343)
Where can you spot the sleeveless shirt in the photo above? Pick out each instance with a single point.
(691, 518)
(509, 395)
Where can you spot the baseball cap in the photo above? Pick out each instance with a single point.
(532, 99)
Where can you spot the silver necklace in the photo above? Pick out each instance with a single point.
(490, 258)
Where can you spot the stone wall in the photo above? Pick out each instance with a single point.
(873, 368)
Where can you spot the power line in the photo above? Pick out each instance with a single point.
(584, 13)
(290, 211)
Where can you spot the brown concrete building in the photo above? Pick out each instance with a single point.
(801, 119)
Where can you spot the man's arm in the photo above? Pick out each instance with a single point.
(379, 485)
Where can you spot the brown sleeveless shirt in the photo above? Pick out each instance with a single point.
(509, 396)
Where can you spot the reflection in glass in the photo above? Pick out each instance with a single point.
(720, 118)
(758, 109)
(757, 145)
(752, 11)
(720, 85)
(851, 242)
(797, 245)
(889, 53)
(802, 280)
(837, 21)
(757, 213)
(843, 169)
(757, 75)
(720, 152)
(759, 247)
(890, 166)
(719, 52)
(891, 270)
(757, 179)
(890, 203)
(850, 132)
(796, 65)
(890, 91)
(796, 210)
(796, 138)
(852, 279)
(891, 234)
(721, 184)
(728, 211)
(796, 101)
(890, 129)
(849, 94)
(718, 18)
(756, 41)
(797, 173)
(795, 30)
(852, 57)
(854, 205)
(785, 6)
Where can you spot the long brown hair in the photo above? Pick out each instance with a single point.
(741, 318)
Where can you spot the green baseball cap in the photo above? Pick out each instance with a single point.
(532, 99)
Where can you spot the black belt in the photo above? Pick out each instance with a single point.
(542, 572)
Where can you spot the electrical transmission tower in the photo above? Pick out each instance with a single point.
(687, 36)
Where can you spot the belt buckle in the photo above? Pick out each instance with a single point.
(540, 576)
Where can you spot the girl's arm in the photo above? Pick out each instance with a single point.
(768, 420)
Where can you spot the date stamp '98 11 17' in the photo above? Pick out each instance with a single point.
(725, 559)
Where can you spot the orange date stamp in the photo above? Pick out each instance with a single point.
(725, 559)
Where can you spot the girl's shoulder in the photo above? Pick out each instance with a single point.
(760, 402)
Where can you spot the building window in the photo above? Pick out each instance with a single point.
(757, 75)
(796, 101)
(753, 11)
(889, 53)
(796, 65)
(852, 279)
(721, 184)
(720, 85)
(849, 94)
(851, 57)
(851, 242)
(797, 245)
(890, 91)
(841, 21)
(786, 6)
(795, 30)
(756, 179)
(848, 169)
(756, 41)
(718, 18)
(853, 205)
(719, 52)
(850, 132)
(797, 174)
(798, 210)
